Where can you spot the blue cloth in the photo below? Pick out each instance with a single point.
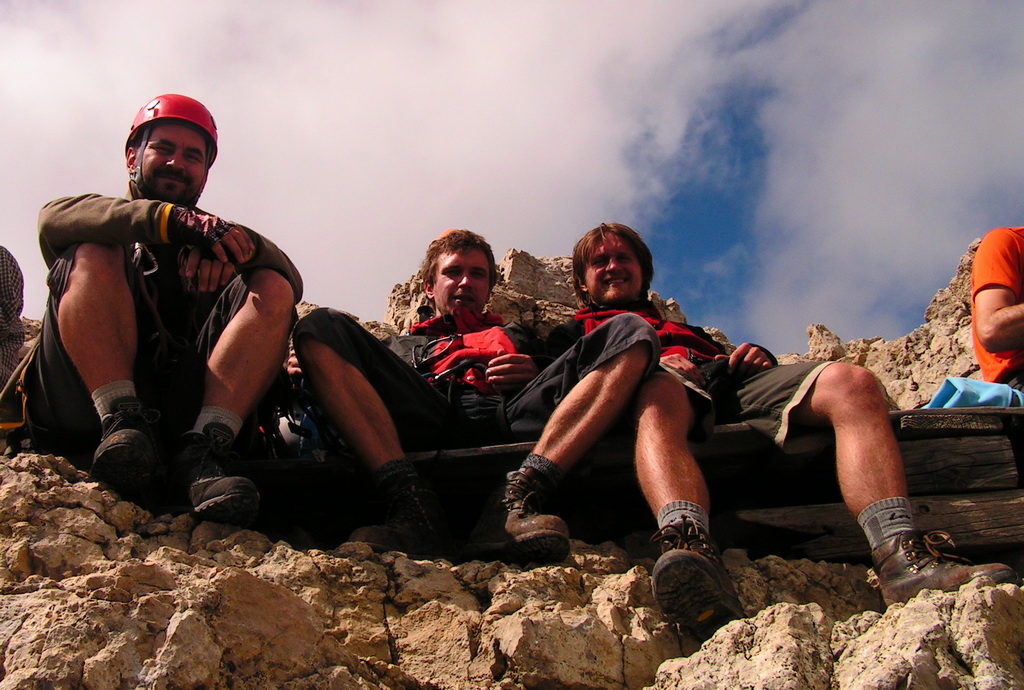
(962, 392)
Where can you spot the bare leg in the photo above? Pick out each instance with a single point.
(351, 403)
(416, 522)
(870, 469)
(592, 407)
(97, 316)
(252, 348)
(510, 527)
(688, 580)
(868, 460)
(665, 466)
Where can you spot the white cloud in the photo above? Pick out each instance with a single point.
(895, 139)
(353, 133)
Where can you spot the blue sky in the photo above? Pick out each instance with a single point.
(790, 162)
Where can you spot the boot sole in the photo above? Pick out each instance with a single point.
(544, 547)
(234, 508)
(687, 589)
(126, 461)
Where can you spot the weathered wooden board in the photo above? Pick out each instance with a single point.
(956, 465)
(961, 460)
(979, 522)
(914, 424)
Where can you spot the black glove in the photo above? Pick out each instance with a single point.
(717, 378)
(189, 226)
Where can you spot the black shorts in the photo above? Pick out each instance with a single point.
(419, 412)
(427, 419)
(61, 415)
(528, 412)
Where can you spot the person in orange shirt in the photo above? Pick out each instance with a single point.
(997, 302)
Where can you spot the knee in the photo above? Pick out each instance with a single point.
(662, 387)
(324, 329)
(98, 265)
(851, 385)
(664, 392)
(313, 354)
(272, 293)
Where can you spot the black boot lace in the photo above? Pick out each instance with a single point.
(685, 535)
(131, 418)
(523, 494)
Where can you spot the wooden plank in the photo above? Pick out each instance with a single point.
(932, 465)
(957, 465)
(964, 421)
(935, 426)
(978, 522)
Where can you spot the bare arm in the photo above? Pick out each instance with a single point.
(998, 319)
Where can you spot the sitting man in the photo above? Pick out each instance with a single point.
(159, 311)
(465, 378)
(997, 300)
(12, 297)
(612, 272)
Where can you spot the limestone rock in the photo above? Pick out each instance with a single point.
(161, 601)
(823, 345)
(784, 647)
(968, 639)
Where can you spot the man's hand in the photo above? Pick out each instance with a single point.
(509, 372)
(291, 365)
(209, 274)
(684, 366)
(747, 360)
(228, 242)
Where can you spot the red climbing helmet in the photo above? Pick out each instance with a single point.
(178, 107)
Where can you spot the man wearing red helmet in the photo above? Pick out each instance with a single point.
(165, 325)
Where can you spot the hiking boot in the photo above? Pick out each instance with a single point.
(691, 583)
(512, 528)
(199, 468)
(910, 562)
(415, 523)
(126, 457)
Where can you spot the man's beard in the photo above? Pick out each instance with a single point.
(185, 194)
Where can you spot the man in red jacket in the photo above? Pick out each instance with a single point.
(165, 324)
(465, 378)
(612, 272)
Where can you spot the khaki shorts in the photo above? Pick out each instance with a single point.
(765, 401)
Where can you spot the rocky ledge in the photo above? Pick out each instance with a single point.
(97, 593)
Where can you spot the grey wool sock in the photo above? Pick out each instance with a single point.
(401, 467)
(884, 519)
(106, 397)
(218, 415)
(551, 473)
(674, 512)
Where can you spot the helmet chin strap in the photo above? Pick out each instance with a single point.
(135, 183)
